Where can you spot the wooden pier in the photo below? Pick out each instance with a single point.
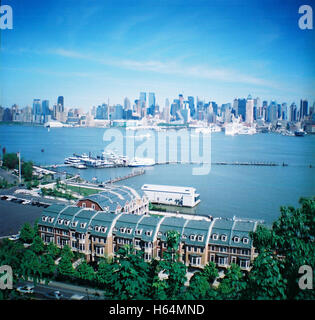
(130, 175)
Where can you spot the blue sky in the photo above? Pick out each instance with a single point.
(88, 51)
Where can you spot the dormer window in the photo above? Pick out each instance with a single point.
(103, 229)
(245, 240)
(215, 236)
(148, 233)
(200, 238)
(193, 237)
(66, 222)
(236, 239)
(74, 223)
(129, 230)
(60, 221)
(223, 237)
(97, 228)
(82, 225)
(122, 230)
(44, 218)
(51, 220)
(159, 233)
(184, 236)
(138, 232)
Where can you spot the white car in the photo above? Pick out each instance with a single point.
(54, 295)
(26, 289)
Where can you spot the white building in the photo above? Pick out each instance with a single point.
(171, 195)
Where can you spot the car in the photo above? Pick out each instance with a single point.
(4, 197)
(76, 297)
(26, 202)
(54, 295)
(26, 289)
(14, 237)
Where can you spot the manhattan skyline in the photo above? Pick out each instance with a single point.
(216, 50)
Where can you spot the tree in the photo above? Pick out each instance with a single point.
(10, 160)
(129, 279)
(27, 233)
(210, 272)
(85, 272)
(27, 170)
(175, 270)
(37, 245)
(198, 287)
(65, 268)
(30, 266)
(265, 280)
(290, 244)
(233, 285)
(104, 272)
(47, 265)
(53, 250)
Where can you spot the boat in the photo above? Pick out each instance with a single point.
(79, 166)
(141, 162)
(300, 133)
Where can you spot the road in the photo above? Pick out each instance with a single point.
(67, 290)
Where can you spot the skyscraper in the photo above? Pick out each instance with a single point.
(242, 108)
(303, 109)
(249, 110)
(37, 107)
(60, 103)
(45, 107)
(166, 111)
(151, 109)
(127, 104)
(191, 106)
(143, 99)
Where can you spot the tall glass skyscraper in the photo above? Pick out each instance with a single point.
(60, 102)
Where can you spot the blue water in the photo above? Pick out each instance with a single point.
(244, 191)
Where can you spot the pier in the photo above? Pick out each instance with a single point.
(130, 175)
(266, 164)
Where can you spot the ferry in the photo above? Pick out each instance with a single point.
(141, 162)
(79, 166)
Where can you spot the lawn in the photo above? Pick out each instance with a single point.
(83, 191)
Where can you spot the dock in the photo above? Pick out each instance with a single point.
(130, 175)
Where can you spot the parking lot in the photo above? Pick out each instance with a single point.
(15, 211)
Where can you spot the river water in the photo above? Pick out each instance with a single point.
(227, 190)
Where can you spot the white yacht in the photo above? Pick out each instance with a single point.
(141, 162)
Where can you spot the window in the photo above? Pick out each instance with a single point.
(148, 233)
(122, 230)
(82, 225)
(215, 236)
(222, 249)
(244, 263)
(195, 261)
(233, 260)
(212, 257)
(60, 221)
(103, 229)
(93, 206)
(236, 239)
(200, 238)
(164, 245)
(222, 261)
(129, 231)
(74, 224)
(245, 240)
(83, 205)
(223, 237)
(67, 222)
(137, 243)
(184, 236)
(159, 233)
(192, 237)
(138, 232)
(44, 218)
(51, 220)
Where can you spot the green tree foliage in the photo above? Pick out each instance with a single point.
(291, 239)
(37, 245)
(104, 273)
(198, 287)
(27, 170)
(85, 272)
(265, 281)
(129, 275)
(175, 270)
(65, 268)
(30, 266)
(47, 265)
(210, 272)
(27, 233)
(233, 285)
(53, 250)
(10, 160)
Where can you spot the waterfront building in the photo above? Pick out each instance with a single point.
(99, 234)
(242, 108)
(171, 195)
(116, 200)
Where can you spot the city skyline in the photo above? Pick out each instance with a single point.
(216, 51)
